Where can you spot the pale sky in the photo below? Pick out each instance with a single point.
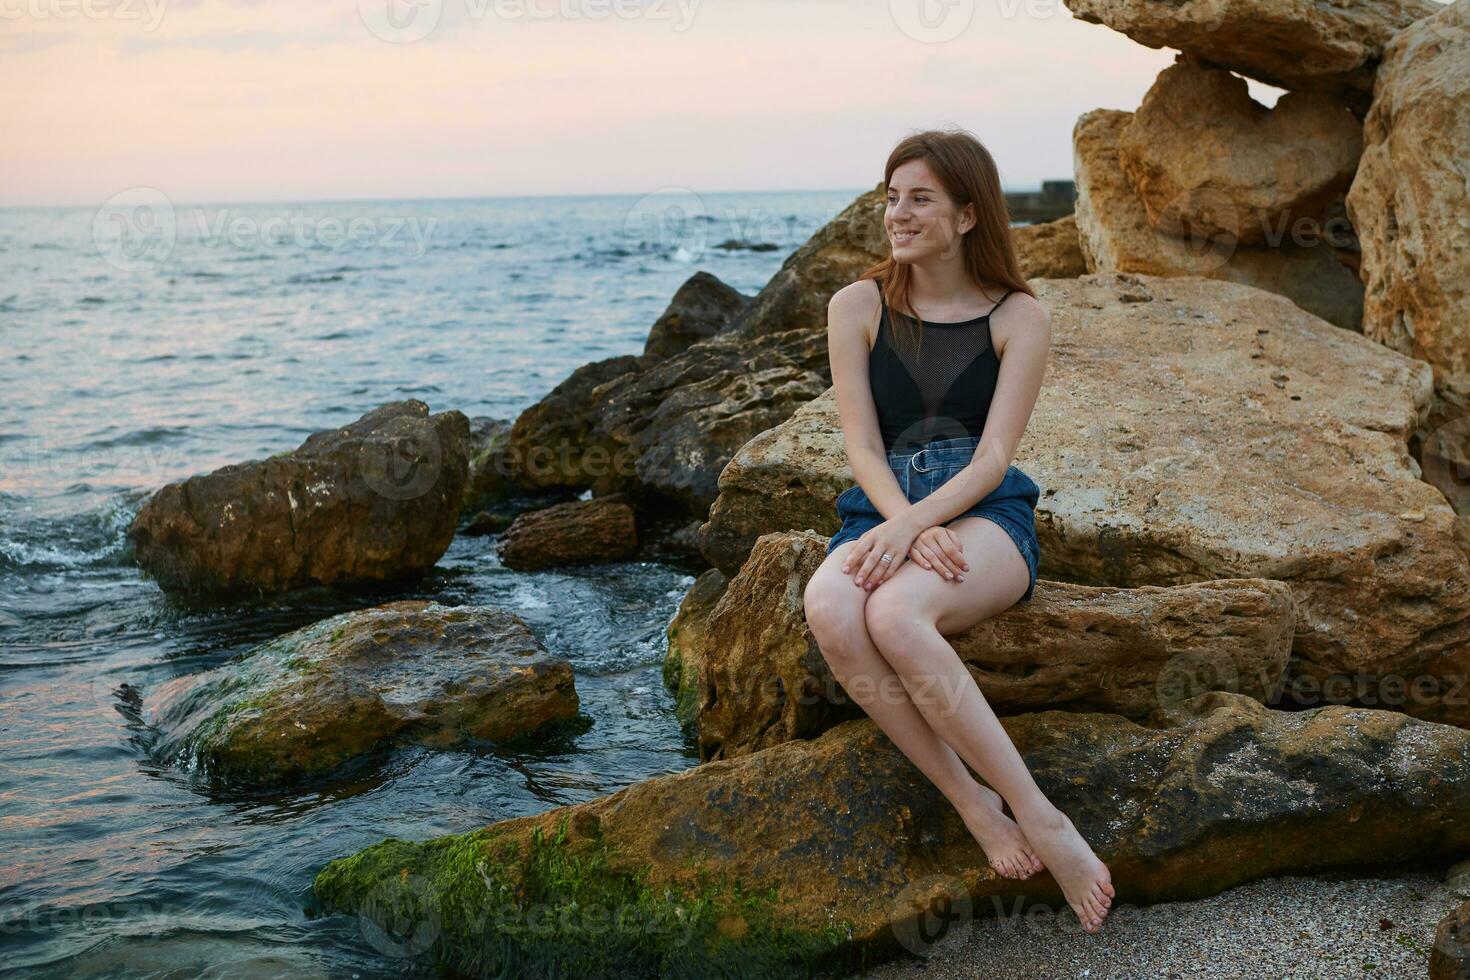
(288, 100)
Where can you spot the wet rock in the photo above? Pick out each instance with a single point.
(1308, 47)
(372, 501)
(1188, 430)
(1050, 250)
(750, 674)
(701, 308)
(489, 482)
(1208, 161)
(1410, 203)
(332, 696)
(573, 533)
(824, 854)
(1117, 236)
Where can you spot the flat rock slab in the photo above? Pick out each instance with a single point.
(1190, 429)
(372, 501)
(749, 674)
(1118, 236)
(1293, 44)
(334, 694)
(825, 853)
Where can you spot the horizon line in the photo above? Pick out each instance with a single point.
(470, 197)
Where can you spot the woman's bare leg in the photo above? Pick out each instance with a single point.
(834, 611)
(905, 616)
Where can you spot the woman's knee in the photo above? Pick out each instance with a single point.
(891, 617)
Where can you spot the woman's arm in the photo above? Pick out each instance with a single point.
(850, 310)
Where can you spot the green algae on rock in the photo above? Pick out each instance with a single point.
(820, 855)
(334, 693)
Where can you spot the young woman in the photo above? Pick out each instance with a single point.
(937, 358)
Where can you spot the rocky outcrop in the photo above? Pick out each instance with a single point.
(1190, 430)
(1051, 250)
(1410, 203)
(660, 430)
(580, 531)
(796, 297)
(1450, 957)
(374, 500)
(826, 853)
(329, 697)
(1117, 236)
(660, 427)
(1208, 161)
(751, 675)
(701, 308)
(1309, 47)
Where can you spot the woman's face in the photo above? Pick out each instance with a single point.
(922, 220)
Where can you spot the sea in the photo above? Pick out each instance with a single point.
(146, 340)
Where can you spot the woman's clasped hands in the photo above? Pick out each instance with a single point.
(935, 548)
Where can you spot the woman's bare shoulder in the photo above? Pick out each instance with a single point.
(853, 307)
(1020, 314)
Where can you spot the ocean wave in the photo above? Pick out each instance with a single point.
(86, 540)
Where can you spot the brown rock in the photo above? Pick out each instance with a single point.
(1050, 250)
(1117, 237)
(796, 297)
(338, 692)
(1190, 429)
(375, 500)
(1309, 47)
(701, 308)
(1208, 161)
(753, 676)
(573, 533)
(1450, 957)
(831, 850)
(1411, 205)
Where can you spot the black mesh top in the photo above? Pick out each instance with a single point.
(942, 390)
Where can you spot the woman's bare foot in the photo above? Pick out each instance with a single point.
(1007, 849)
(1084, 879)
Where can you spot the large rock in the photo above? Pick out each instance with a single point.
(796, 297)
(1189, 430)
(701, 308)
(751, 675)
(1050, 250)
(1411, 204)
(827, 853)
(333, 695)
(661, 426)
(576, 532)
(1117, 236)
(1450, 957)
(368, 502)
(1292, 44)
(662, 429)
(1208, 161)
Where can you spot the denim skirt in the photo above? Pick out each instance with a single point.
(1012, 504)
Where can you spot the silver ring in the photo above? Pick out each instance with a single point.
(886, 558)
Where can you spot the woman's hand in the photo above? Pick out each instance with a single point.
(938, 549)
(892, 538)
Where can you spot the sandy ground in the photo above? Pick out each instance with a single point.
(1288, 928)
